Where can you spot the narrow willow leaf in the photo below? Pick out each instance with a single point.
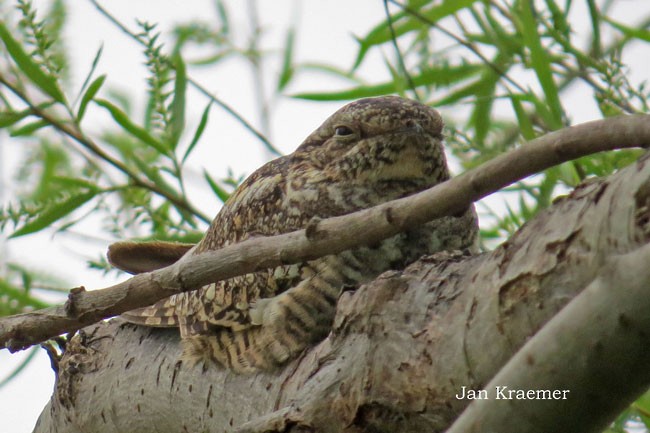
(223, 17)
(123, 120)
(45, 82)
(177, 123)
(508, 44)
(540, 62)
(218, 191)
(21, 294)
(542, 110)
(76, 182)
(480, 118)
(287, 61)
(329, 70)
(594, 15)
(93, 66)
(89, 95)
(630, 32)
(461, 93)
(8, 118)
(30, 128)
(54, 212)
(525, 125)
(377, 35)
(559, 18)
(153, 173)
(353, 93)
(212, 59)
(198, 132)
(404, 23)
(442, 75)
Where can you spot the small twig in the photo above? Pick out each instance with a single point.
(334, 235)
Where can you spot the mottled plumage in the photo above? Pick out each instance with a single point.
(368, 152)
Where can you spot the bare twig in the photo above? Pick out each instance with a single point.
(329, 236)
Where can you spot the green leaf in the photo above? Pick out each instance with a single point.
(540, 62)
(223, 17)
(123, 120)
(329, 70)
(212, 58)
(403, 23)
(642, 405)
(89, 95)
(218, 191)
(32, 70)
(75, 182)
(30, 128)
(54, 212)
(525, 125)
(442, 75)
(461, 93)
(594, 14)
(20, 294)
(8, 118)
(177, 123)
(630, 32)
(559, 18)
(480, 118)
(287, 61)
(153, 173)
(199, 131)
(508, 43)
(542, 110)
(93, 66)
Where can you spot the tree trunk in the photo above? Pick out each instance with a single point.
(405, 345)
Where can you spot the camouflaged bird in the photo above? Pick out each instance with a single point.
(368, 152)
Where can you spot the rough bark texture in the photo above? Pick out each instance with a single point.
(401, 347)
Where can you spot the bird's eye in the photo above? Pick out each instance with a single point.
(343, 131)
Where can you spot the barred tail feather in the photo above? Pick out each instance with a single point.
(287, 325)
(245, 352)
(159, 315)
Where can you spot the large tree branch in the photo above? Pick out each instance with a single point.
(402, 347)
(327, 236)
(596, 348)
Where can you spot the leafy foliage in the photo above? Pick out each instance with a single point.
(513, 64)
(131, 175)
